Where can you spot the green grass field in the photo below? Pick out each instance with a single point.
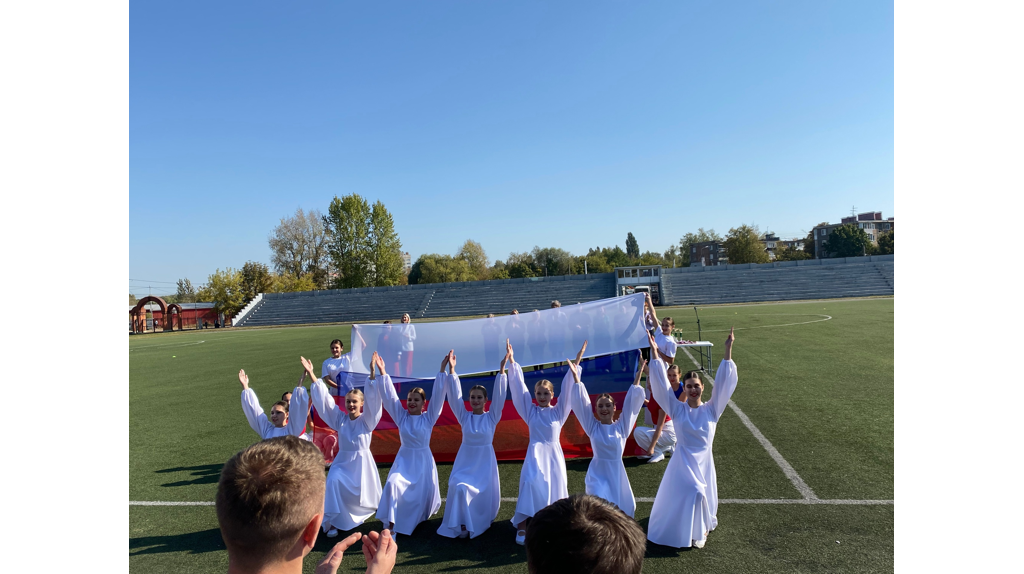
(816, 379)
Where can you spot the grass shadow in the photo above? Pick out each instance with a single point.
(189, 543)
(657, 550)
(204, 474)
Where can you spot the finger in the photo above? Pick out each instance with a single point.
(387, 544)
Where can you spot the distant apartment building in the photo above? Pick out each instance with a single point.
(406, 262)
(772, 242)
(870, 221)
(708, 253)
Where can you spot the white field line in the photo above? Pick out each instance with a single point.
(826, 318)
(139, 348)
(787, 468)
(639, 499)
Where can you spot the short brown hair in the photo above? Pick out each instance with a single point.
(584, 533)
(480, 388)
(266, 496)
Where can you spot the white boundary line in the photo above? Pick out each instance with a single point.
(787, 468)
(826, 318)
(639, 499)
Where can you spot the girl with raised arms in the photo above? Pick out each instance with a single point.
(474, 492)
(606, 476)
(353, 484)
(279, 424)
(686, 507)
(542, 480)
(411, 494)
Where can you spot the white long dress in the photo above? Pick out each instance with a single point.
(542, 480)
(474, 493)
(686, 506)
(261, 424)
(606, 476)
(411, 494)
(353, 483)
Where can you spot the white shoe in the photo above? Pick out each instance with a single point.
(656, 458)
(463, 534)
(332, 533)
(521, 538)
(643, 456)
(699, 543)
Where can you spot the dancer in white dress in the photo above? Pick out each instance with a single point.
(542, 480)
(606, 476)
(411, 494)
(686, 507)
(474, 492)
(353, 484)
(279, 424)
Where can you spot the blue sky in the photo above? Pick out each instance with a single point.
(515, 124)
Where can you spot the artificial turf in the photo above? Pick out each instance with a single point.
(821, 392)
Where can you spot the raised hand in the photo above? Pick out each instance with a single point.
(451, 361)
(579, 356)
(244, 379)
(508, 351)
(379, 361)
(654, 345)
(728, 343)
(640, 371)
(308, 365)
(373, 366)
(380, 551)
(331, 562)
(302, 379)
(444, 361)
(575, 368)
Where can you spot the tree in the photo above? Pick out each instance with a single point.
(744, 245)
(689, 239)
(846, 241)
(784, 253)
(186, 292)
(632, 247)
(224, 288)
(298, 245)
(596, 263)
(132, 300)
(348, 231)
(671, 256)
(809, 244)
(885, 245)
(434, 268)
(521, 265)
(256, 279)
(551, 260)
(288, 283)
(386, 266)
(473, 254)
(652, 258)
(613, 256)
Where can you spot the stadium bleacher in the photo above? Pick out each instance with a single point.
(780, 281)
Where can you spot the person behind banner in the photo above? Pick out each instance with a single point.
(353, 483)
(278, 424)
(660, 440)
(686, 507)
(536, 337)
(474, 492)
(406, 337)
(411, 494)
(606, 475)
(269, 507)
(388, 346)
(490, 332)
(331, 369)
(543, 477)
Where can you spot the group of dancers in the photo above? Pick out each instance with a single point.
(685, 508)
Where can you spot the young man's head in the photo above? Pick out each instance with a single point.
(270, 502)
(584, 533)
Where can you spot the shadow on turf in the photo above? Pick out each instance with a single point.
(657, 550)
(205, 474)
(494, 548)
(189, 543)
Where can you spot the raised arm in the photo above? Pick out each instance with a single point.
(725, 380)
(572, 376)
(657, 378)
(299, 405)
(437, 398)
(579, 400)
(251, 407)
(500, 390)
(371, 405)
(320, 397)
(631, 409)
(454, 396)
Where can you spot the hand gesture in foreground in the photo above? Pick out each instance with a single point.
(244, 379)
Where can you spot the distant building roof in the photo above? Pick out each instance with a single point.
(184, 306)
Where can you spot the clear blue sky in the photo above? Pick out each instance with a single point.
(564, 124)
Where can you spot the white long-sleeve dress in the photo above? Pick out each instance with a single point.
(411, 494)
(474, 493)
(353, 483)
(543, 478)
(606, 476)
(686, 506)
(259, 422)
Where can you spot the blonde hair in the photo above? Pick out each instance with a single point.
(605, 396)
(544, 383)
(419, 391)
(357, 393)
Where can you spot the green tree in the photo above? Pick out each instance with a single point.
(473, 253)
(744, 245)
(348, 232)
(132, 300)
(596, 263)
(885, 245)
(186, 292)
(521, 265)
(224, 288)
(783, 253)
(671, 256)
(809, 243)
(298, 245)
(632, 247)
(845, 241)
(551, 261)
(689, 239)
(652, 258)
(288, 283)
(256, 279)
(434, 268)
(613, 256)
(385, 249)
